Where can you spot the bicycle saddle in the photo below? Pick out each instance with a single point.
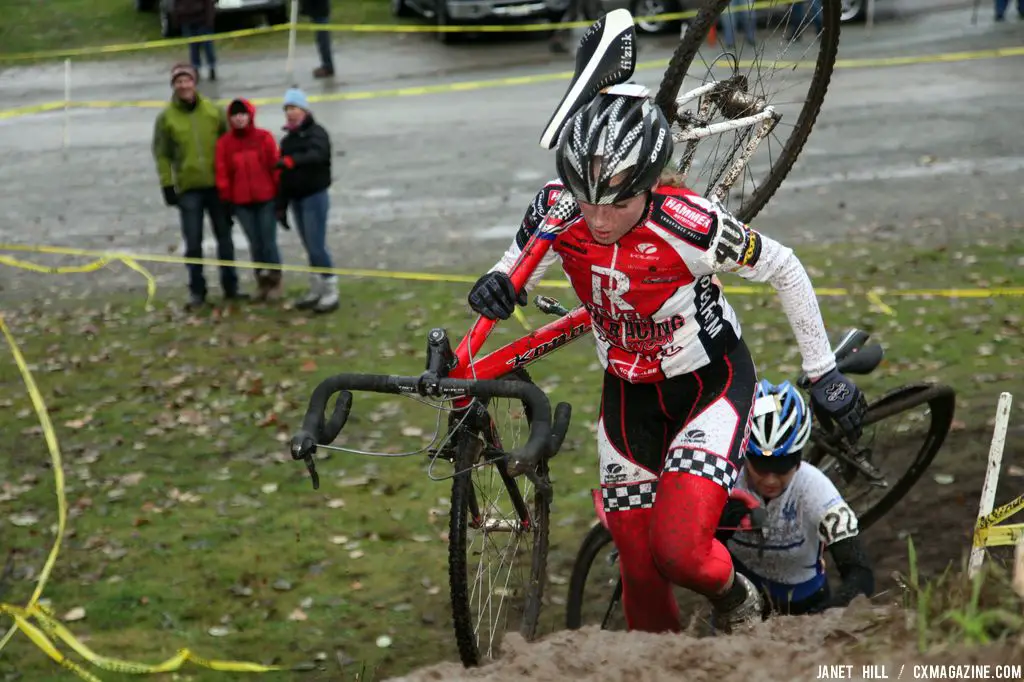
(606, 57)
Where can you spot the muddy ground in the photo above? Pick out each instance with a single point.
(840, 644)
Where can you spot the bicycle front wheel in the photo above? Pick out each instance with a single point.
(903, 431)
(497, 536)
(741, 119)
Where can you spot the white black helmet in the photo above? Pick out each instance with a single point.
(629, 133)
(780, 428)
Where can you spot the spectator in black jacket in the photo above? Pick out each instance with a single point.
(196, 18)
(319, 11)
(305, 176)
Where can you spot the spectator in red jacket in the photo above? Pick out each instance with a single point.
(247, 182)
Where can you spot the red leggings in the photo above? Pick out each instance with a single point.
(671, 543)
(670, 453)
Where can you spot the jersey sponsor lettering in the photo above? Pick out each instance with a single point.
(687, 216)
(608, 288)
(709, 311)
(634, 332)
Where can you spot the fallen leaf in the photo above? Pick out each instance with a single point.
(218, 631)
(336, 503)
(308, 366)
(78, 423)
(268, 488)
(943, 479)
(23, 520)
(383, 642)
(1015, 470)
(412, 431)
(298, 615)
(356, 554)
(77, 613)
(282, 585)
(339, 540)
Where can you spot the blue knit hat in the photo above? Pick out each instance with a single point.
(296, 98)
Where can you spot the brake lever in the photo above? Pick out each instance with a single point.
(311, 467)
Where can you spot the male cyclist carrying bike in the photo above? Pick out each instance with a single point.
(641, 253)
(804, 511)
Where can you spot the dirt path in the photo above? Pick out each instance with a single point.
(789, 649)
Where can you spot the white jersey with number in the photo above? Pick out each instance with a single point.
(806, 518)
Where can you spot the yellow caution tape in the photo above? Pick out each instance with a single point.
(1001, 513)
(136, 47)
(132, 260)
(360, 28)
(465, 86)
(48, 626)
(988, 534)
(999, 536)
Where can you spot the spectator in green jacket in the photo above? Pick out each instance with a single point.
(184, 147)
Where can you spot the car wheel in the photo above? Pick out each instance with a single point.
(399, 8)
(650, 8)
(853, 10)
(167, 27)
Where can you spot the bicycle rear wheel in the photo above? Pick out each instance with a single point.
(919, 417)
(742, 95)
(602, 604)
(494, 515)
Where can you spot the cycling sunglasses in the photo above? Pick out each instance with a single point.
(774, 465)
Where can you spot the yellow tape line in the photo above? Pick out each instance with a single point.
(136, 47)
(357, 28)
(999, 536)
(50, 627)
(1002, 513)
(465, 86)
(988, 534)
(132, 260)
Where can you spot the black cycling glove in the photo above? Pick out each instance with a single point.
(494, 296)
(837, 398)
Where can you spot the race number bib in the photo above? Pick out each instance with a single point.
(838, 523)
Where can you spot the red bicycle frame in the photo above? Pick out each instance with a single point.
(538, 343)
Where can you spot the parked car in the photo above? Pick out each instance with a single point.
(853, 10)
(276, 11)
(464, 12)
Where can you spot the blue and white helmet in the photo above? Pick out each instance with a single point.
(781, 423)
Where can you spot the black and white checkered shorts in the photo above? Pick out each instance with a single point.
(631, 496)
(703, 464)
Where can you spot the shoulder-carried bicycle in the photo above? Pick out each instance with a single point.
(501, 493)
(921, 413)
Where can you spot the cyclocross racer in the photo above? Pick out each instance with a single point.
(805, 515)
(641, 252)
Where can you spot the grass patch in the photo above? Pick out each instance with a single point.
(34, 26)
(189, 518)
(957, 609)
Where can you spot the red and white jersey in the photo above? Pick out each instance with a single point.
(656, 308)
